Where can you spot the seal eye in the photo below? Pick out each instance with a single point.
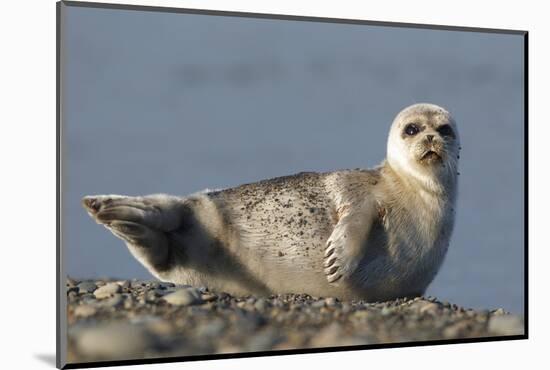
(411, 129)
(445, 130)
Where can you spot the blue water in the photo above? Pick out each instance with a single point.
(176, 103)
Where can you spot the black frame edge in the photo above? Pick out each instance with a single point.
(526, 185)
(58, 363)
(285, 17)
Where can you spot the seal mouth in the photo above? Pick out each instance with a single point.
(431, 156)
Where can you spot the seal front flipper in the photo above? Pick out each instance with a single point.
(346, 245)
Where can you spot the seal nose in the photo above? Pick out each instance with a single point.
(430, 138)
(91, 204)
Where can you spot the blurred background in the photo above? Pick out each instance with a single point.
(175, 103)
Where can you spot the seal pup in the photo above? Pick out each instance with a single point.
(372, 234)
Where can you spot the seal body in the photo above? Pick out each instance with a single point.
(354, 234)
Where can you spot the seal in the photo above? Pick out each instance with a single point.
(372, 234)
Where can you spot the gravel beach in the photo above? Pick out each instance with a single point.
(132, 319)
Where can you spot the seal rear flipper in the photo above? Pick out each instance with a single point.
(159, 211)
(144, 223)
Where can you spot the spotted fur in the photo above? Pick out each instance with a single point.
(369, 234)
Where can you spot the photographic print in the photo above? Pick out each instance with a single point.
(240, 184)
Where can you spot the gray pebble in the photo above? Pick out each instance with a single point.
(318, 304)
(386, 311)
(184, 297)
(72, 297)
(262, 341)
(241, 304)
(87, 298)
(152, 295)
(107, 290)
(429, 308)
(86, 287)
(455, 330)
(113, 341)
(137, 283)
(207, 297)
(261, 304)
(128, 303)
(114, 301)
(506, 325)
(85, 311)
(211, 329)
(330, 335)
(166, 285)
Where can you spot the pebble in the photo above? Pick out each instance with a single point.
(160, 327)
(240, 303)
(261, 304)
(86, 287)
(506, 325)
(362, 315)
(318, 304)
(498, 311)
(72, 297)
(137, 283)
(128, 303)
(329, 336)
(430, 308)
(331, 301)
(113, 341)
(211, 329)
(87, 298)
(85, 310)
(152, 295)
(262, 341)
(184, 297)
(107, 290)
(455, 330)
(386, 311)
(346, 307)
(114, 301)
(209, 297)
(166, 285)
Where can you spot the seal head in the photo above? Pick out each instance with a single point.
(424, 145)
